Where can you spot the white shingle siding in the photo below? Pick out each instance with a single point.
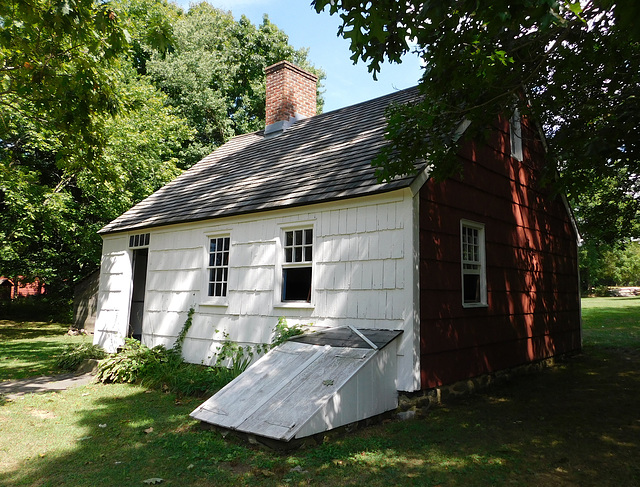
(363, 276)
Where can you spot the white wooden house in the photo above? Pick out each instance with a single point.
(291, 222)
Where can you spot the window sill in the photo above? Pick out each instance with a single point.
(295, 305)
(220, 303)
(474, 305)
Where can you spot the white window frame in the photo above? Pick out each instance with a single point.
(473, 262)
(515, 135)
(206, 298)
(279, 302)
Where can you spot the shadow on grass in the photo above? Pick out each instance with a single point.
(577, 424)
(123, 437)
(31, 357)
(26, 330)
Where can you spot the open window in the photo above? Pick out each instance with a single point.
(474, 277)
(297, 265)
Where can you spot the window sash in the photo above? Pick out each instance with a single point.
(473, 264)
(298, 246)
(218, 266)
(139, 240)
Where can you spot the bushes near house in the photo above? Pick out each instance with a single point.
(161, 368)
(74, 355)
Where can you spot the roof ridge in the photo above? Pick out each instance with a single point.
(321, 158)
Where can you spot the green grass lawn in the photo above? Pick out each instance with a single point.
(29, 349)
(576, 424)
(611, 322)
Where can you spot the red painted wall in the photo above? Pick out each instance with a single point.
(533, 307)
(25, 289)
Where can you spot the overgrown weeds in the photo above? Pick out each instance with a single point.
(283, 331)
(75, 354)
(161, 368)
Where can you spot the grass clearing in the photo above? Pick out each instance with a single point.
(611, 323)
(29, 349)
(576, 424)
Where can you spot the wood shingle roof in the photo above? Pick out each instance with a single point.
(318, 159)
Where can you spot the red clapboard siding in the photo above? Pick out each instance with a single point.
(533, 307)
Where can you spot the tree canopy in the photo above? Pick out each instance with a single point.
(214, 74)
(52, 59)
(573, 67)
(102, 103)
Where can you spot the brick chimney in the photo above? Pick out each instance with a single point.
(291, 96)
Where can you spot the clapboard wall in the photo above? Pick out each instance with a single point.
(364, 274)
(533, 308)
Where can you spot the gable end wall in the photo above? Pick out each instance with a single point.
(533, 298)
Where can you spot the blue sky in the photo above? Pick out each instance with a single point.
(346, 83)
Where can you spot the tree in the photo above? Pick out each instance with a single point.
(50, 216)
(572, 66)
(89, 128)
(150, 24)
(52, 60)
(68, 105)
(602, 266)
(214, 74)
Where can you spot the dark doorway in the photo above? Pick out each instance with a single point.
(140, 258)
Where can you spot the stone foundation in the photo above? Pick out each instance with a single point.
(420, 401)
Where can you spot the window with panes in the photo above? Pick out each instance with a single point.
(297, 265)
(218, 268)
(473, 264)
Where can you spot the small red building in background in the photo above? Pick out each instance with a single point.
(14, 288)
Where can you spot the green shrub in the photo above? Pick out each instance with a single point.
(601, 291)
(160, 368)
(195, 380)
(73, 355)
(132, 363)
(234, 356)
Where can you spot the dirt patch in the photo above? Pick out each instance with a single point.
(42, 414)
